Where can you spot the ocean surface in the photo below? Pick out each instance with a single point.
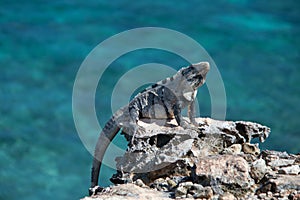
(255, 45)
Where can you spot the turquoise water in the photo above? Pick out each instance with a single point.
(255, 44)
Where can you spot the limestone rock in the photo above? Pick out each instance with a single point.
(227, 196)
(181, 191)
(128, 192)
(277, 159)
(226, 169)
(282, 182)
(159, 147)
(205, 193)
(233, 149)
(235, 132)
(281, 163)
(258, 169)
(292, 170)
(215, 160)
(251, 148)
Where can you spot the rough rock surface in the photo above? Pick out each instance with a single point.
(215, 160)
(129, 192)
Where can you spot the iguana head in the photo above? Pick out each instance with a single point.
(195, 74)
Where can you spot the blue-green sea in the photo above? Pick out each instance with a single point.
(255, 45)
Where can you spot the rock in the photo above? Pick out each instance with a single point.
(188, 189)
(233, 149)
(269, 194)
(149, 156)
(276, 195)
(140, 183)
(262, 195)
(269, 155)
(234, 132)
(228, 170)
(281, 163)
(129, 191)
(181, 191)
(205, 192)
(251, 197)
(158, 149)
(277, 159)
(251, 149)
(281, 182)
(187, 185)
(227, 196)
(197, 187)
(172, 184)
(161, 184)
(213, 161)
(292, 170)
(258, 169)
(282, 193)
(295, 197)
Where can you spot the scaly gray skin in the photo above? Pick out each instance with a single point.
(163, 100)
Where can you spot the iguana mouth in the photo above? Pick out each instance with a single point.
(202, 67)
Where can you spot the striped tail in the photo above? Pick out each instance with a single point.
(108, 133)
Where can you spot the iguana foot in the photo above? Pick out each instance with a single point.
(95, 190)
(193, 126)
(187, 125)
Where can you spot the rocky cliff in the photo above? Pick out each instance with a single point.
(216, 160)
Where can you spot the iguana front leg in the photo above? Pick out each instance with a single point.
(191, 113)
(178, 117)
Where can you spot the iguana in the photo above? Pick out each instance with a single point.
(163, 100)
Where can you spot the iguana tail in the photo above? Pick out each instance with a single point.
(108, 133)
